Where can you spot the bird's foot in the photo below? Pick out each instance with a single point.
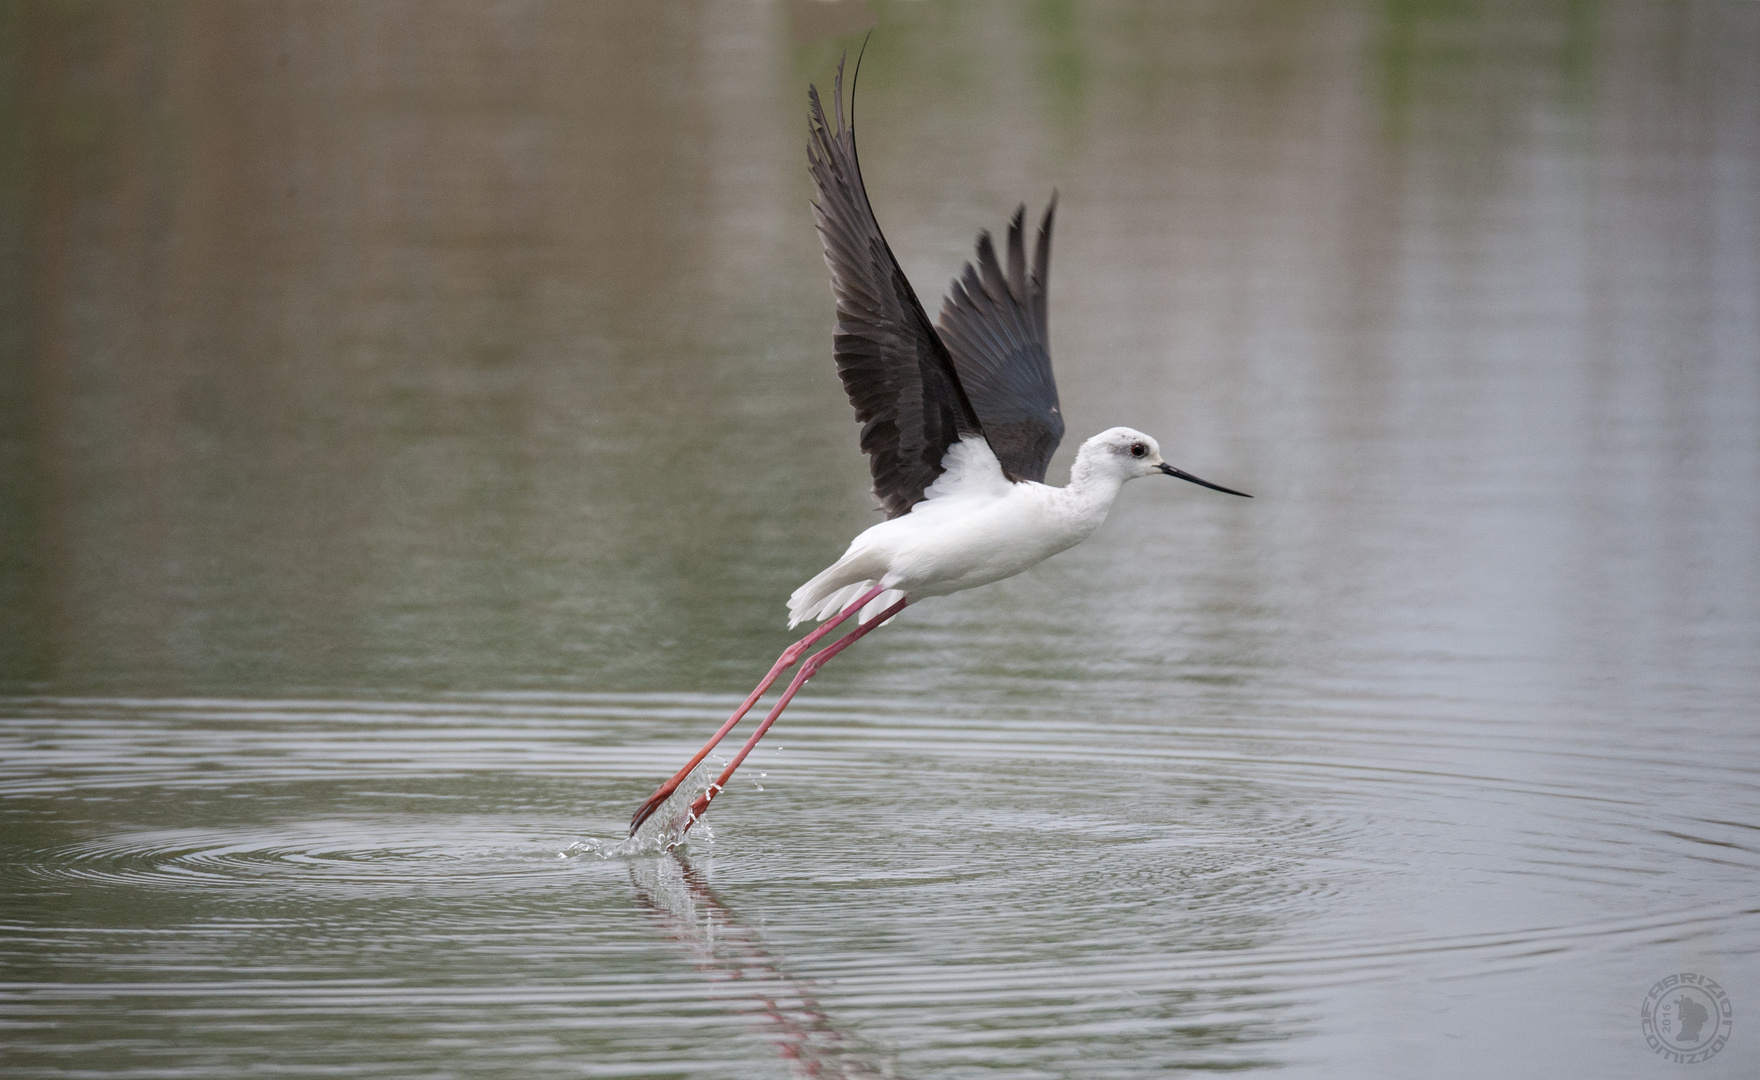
(651, 804)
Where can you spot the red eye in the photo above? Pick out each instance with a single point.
(1138, 449)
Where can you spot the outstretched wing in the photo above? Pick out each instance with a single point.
(994, 324)
(897, 372)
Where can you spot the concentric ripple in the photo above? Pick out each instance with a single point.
(352, 856)
(885, 889)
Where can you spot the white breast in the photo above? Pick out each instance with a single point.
(972, 527)
(960, 542)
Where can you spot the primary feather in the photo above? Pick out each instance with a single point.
(918, 390)
(894, 367)
(994, 324)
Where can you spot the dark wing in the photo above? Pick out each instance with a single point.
(894, 367)
(994, 325)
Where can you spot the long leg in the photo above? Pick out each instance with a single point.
(807, 671)
(783, 663)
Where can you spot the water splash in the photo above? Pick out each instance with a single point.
(670, 827)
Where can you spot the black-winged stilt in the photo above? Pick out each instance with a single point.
(959, 421)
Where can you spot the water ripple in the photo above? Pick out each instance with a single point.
(887, 887)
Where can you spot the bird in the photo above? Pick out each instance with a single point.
(959, 419)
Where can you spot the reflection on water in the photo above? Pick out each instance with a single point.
(733, 955)
(420, 413)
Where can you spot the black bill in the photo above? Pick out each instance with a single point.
(1183, 475)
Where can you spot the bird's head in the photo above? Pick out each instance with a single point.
(1128, 453)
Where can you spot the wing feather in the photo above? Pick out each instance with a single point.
(895, 368)
(995, 325)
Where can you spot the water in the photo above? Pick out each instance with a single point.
(424, 413)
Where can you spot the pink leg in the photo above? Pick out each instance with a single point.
(807, 671)
(783, 663)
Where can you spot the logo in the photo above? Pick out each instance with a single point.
(1686, 1018)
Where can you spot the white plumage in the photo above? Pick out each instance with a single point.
(974, 527)
(959, 421)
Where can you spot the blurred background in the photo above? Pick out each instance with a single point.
(487, 346)
(413, 416)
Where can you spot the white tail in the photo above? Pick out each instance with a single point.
(831, 590)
